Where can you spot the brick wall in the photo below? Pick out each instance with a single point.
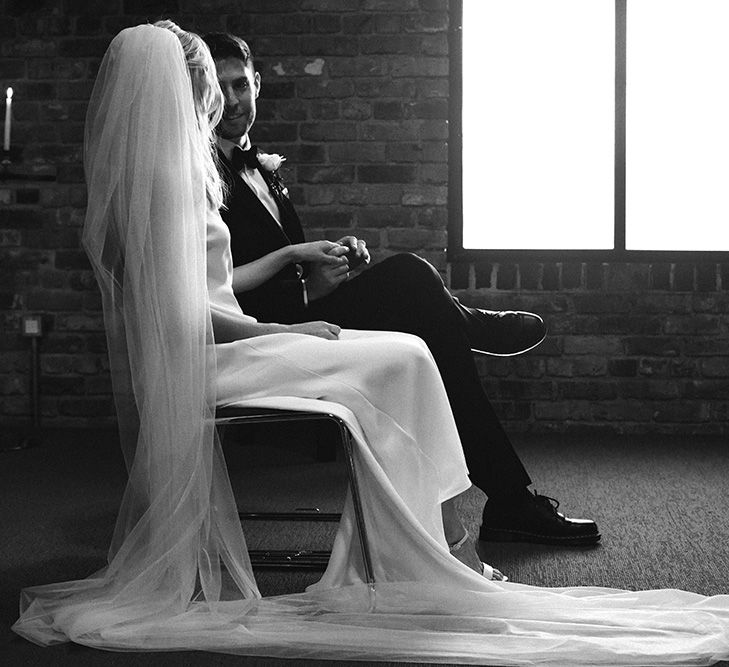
(633, 348)
(355, 94)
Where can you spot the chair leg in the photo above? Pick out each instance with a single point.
(305, 558)
(357, 504)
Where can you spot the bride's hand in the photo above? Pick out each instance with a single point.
(318, 328)
(320, 251)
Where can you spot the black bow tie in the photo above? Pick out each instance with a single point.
(248, 158)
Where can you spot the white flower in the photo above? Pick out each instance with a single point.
(270, 162)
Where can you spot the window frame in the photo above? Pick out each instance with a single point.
(457, 253)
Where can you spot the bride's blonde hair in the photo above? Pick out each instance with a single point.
(208, 100)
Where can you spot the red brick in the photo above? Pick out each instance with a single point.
(589, 366)
(459, 275)
(330, 5)
(712, 346)
(683, 277)
(388, 132)
(623, 367)
(386, 174)
(593, 391)
(328, 131)
(356, 110)
(427, 22)
(57, 364)
(660, 278)
(714, 303)
(425, 196)
(380, 216)
(682, 411)
(379, 88)
(268, 133)
(622, 410)
(330, 89)
(359, 24)
(596, 345)
(651, 367)
(706, 277)
(357, 152)
(529, 367)
(62, 385)
(390, 5)
(334, 174)
(329, 45)
(435, 45)
(13, 385)
(86, 407)
(660, 389)
(506, 276)
(12, 68)
(717, 367)
(709, 389)
(571, 275)
(371, 194)
(390, 44)
(388, 110)
(325, 110)
(484, 274)
(431, 217)
(404, 239)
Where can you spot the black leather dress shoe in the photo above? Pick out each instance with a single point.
(535, 519)
(508, 332)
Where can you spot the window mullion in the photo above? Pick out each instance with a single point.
(620, 87)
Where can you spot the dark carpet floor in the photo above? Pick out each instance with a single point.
(661, 505)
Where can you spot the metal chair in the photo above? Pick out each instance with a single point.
(298, 558)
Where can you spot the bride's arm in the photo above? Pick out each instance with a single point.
(249, 276)
(229, 326)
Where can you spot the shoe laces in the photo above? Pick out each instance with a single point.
(553, 503)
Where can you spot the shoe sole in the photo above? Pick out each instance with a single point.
(504, 535)
(509, 354)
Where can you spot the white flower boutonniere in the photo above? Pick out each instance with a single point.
(270, 162)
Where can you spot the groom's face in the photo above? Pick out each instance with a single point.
(240, 86)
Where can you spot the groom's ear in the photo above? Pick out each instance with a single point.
(257, 83)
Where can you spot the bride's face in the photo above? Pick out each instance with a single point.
(240, 86)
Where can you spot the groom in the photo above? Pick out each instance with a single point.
(401, 293)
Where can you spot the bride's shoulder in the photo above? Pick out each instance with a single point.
(216, 228)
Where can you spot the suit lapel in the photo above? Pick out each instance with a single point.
(290, 227)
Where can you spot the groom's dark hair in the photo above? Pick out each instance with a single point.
(224, 45)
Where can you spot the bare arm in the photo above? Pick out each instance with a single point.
(229, 326)
(249, 276)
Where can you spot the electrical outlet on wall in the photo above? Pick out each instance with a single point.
(32, 326)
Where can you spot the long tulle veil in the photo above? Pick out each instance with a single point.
(145, 236)
(178, 576)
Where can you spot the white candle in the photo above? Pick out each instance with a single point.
(8, 116)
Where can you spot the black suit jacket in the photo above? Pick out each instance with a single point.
(255, 233)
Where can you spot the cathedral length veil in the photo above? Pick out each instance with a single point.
(145, 238)
(178, 576)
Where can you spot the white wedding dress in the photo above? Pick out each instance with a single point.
(178, 576)
(409, 459)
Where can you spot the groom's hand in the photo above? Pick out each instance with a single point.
(325, 277)
(357, 254)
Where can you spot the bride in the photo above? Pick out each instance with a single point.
(178, 575)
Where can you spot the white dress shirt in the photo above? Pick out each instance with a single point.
(252, 177)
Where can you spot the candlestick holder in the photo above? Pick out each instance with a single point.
(12, 169)
(9, 156)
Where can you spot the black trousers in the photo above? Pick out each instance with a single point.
(405, 293)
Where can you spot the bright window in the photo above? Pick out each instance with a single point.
(591, 125)
(677, 125)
